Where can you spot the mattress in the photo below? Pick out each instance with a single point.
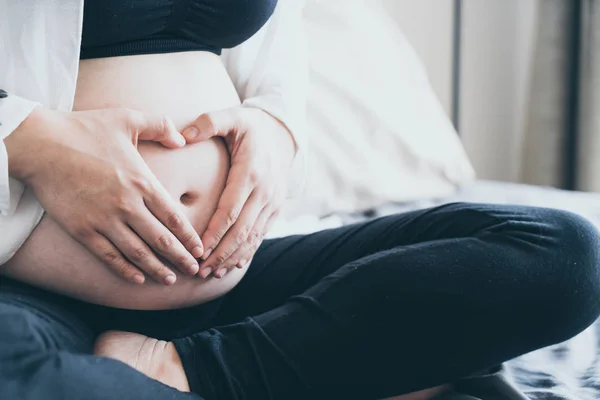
(567, 371)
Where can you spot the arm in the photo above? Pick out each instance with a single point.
(270, 72)
(112, 196)
(265, 137)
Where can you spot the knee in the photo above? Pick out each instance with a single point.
(19, 335)
(567, 257)
(23, 348)
(553, 259)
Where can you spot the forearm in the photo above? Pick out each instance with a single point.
(277, 83)
(21, 144)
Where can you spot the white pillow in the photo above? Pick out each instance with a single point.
(377, 132)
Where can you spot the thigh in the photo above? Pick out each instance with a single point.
(288, 266)
(46, 344)
(35, 320)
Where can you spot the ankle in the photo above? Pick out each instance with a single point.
(171, 369)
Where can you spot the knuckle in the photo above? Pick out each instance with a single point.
(182, 261)
(123, 205)
(164, 243)
(123, 268)
(242, 235)
(188, 237)
(142, 183)
(175, 221)
(110, 257)
(221, 258)
(139, 254)
(255, 237)
(232, 215)
(216, 238)
(254, 175)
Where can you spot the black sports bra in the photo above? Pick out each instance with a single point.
(127, 27)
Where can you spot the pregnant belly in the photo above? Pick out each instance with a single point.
(181, 86)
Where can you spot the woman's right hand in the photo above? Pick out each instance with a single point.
(86, 172)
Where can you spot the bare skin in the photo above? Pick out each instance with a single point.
(181, 86)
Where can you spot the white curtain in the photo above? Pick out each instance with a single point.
(552, 94)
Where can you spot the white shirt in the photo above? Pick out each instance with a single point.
(39, 58)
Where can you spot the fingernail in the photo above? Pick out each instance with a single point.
(193, 268)
(181, 140)
(197, 252)
(138, 279)
(206, 253)
(221, 273)
(190, 133)
(205, 272)
(241, 263)
(170, 279)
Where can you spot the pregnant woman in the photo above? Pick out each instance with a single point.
(139, 273)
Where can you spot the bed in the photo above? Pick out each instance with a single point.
(387, 140)
(568, 371)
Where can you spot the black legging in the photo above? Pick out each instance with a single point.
(367, 311)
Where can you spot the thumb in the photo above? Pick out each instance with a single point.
(217, 123)
(160, 129)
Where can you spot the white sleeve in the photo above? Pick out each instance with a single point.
(270, 72)
(13, 111)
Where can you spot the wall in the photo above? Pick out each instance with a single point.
(416, 18)
(497, 39)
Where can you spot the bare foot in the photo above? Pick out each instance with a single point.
(155, 358)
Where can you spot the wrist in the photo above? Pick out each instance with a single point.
(21, 145)
(286, 144)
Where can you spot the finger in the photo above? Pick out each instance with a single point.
(238, 189)
(245, 253)
(217, 123)
(259, 233)
(158, 129)
(159, 202)
(107, 253)
(161, 205)
(256, 241)
(236, 236)
(161, 238)
(138, 253)
(255, 238)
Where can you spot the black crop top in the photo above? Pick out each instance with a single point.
(127, 27)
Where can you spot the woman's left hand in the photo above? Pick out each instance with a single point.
(262, 150)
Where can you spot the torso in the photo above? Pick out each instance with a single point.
(181, 86)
